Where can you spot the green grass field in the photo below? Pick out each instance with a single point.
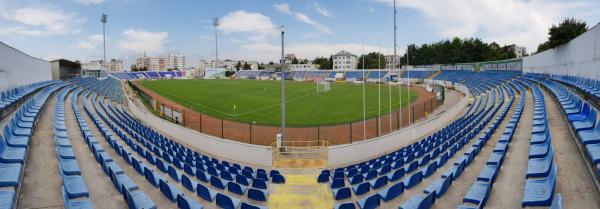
(259, 101)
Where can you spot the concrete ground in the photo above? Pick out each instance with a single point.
(41, 183)
(153, 192)
(102, 191)
(575, 183)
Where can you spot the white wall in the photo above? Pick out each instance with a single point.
(580, 56)
(18, 68)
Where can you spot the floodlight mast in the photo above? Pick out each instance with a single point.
(103, 20)
(282, 62)
(216, 25)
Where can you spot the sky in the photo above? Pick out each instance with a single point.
(250, 29)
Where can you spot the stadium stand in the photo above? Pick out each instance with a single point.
(417, 74)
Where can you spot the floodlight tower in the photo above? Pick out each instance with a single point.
(282, 61)
(216, 25)
(103, 20)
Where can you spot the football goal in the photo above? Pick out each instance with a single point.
(323, 86)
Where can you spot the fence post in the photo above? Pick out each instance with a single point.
(250, 132)
(377, 122)
(222, 132)
(399, 119)
(200, 122)
(350, 132)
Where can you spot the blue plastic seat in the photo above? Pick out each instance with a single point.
(7, 197)
(74, 186)
(137, 199)
(593, 151)
(588, 123)
(370, 202)
(260, 195)
(278, 179)
(249, 206)
(419, 201)
(345, 205)
(14, 141)
(539, 150)
(540, 191)
(579, 115)
(69, 166)
(10, 174)
(76, 203)
(413, 180)
(205, 193)
(557, 202)
(236, 188)
(227, 202)
(488, 173)
(361, 188)
(11, 154)
(397, 174)
(392, 192)
(540, 167)
(187, 203)
(188, 183)
(217, 182)
(439, 187)
(342, 193)
(591, 136)
(478, 193)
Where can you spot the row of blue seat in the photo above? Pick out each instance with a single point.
(479, 192)
(134, 197)
(14, 144)
(175, 153)
(439, 186)
(14, 95)
(241, 186)
(74, 190)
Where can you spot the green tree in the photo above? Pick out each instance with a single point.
(261, 66)
(330, 62)
(238, 65)
(246, 66)
(322, 62)
(295, 61)
(455, 50)
(562, 33)
(371, 61)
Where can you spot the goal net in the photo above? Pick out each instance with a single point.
(323, 86)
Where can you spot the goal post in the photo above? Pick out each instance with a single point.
(323, 86)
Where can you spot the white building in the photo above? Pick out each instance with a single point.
(161, 63)
(389, 59)
(344, 60)
(114, 65)
(518, 50)
(308, 66)
(227, 64)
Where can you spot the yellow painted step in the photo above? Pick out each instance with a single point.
(300, 191)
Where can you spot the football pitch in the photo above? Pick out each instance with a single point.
(259, 102)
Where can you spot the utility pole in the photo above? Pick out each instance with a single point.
(216, 25)
(282, 85)
(103, 20)
(395, 65)
(408, 86)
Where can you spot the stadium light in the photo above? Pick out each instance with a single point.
(216, 25)
(282, 84)
(103, 19)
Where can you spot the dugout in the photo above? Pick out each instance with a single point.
(65, 69)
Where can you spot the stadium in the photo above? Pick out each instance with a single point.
(499, 131)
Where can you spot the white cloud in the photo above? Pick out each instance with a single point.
(524, 22)
(90, 2)
(301, 17)
(138, 40)
(322, 10)
(91, 42)
(242, 21)
(38, 21)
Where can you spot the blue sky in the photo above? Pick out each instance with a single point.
(72, 29)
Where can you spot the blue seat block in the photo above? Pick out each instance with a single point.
(11, 154)
(419, 201)
(361, 188)
(557, 202)
(217, 182)
(74, 186)
(227, 202)
(439, 187)
(261, 195)
(478, 193)
(488, 173)
(236, 188)
(413, 180)
(187, 203)
(188, 183)
(7, 197)
(169, 190)
(593, 151)
(249, 206)
(205, 193)
(65, 152)
(539, 150)
(346, 205)
(79, 203)
(138, 200)
(540, 167)
(540, 191)
(392, 192)
(69, 166)
(370, 202)
(342, 193)
(10, 174)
